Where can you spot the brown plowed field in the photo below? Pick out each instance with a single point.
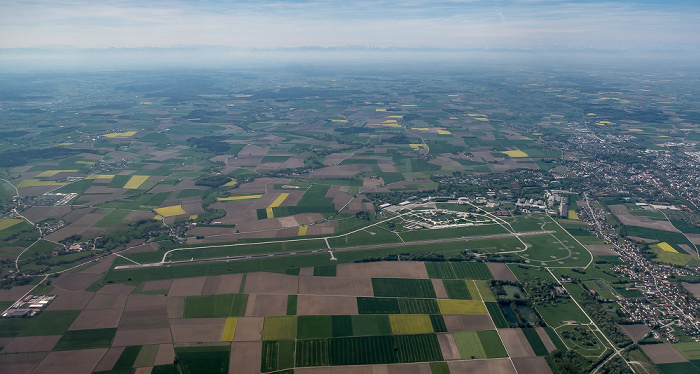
(157, 285)
(175, 307)
(335, 286)
(635, 332)
(249, 329)
(106, 301)
(117, 288)
(531, 365)
(663, 353)
(142, 337)
(266, 305)
(14, 293)
(306, 272)
(516, 343)
(492, 366)
(245, 357)
(398, 269)
(166, 355)
(456, 323)
(187, 286)
(144, 312)
(102, 266)
(439, 287)
(545, 339)
(109, 359)
(271, 283)
(326, 305)
(76, 281)
(31, 344)
(71, 362)
(501, 272)
(359, 369)
(448, 346)
(97, 319)
(20, 363)
(195, 330)
(68, 300)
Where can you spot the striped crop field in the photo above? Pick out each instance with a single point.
(229, 329)
(457, 289)
(402, 324)
(135, 182)
(462, 307)
(418, 306)
(400, 287)
(485, 291)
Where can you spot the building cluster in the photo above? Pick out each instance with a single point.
(27, 307)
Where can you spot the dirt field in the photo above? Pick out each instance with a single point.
(602, 250)
(106, 301)
(261, 305)
(501, 272)
(340, 171)
(688, 249)
(516, 343)
(20, 363)
(627, 219)
(109, 359)
(326, 305)
(635, 332)
(76, 281)
(359, 369)
(97, 319)
(31, 344)
(71, 362)
(439, 287)
(663, 353)
(531, 365)
(195, 330)
(335, 286)
(187, 286)
(142, 337)
(14, 293)
(175, 307)
(101, 267)
(456, 323)
(245, 357)
(222, 284)
(144, 312)
(157, 285)
(306, 272)
(384, 269)
(492, 366)
(116, 289)
(166, 355)
(545, 339)
(448, 347)
(271, 283)
(68, 300)
(249, 329)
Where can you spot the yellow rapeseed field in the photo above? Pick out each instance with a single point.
(279, 200)
(169, 211)
(51, 173)
(229, 329)
(302, 230)
(416, 146)
(280, 328)
(38, 183)
(120, 135)
(241, 197)
(135, 182)
(100, 176)
(410, 324)
(667, 247)
(573, 215)
(444, 132)
(448, 306)
(516, 153)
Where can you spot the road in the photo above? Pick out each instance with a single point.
(340, 249)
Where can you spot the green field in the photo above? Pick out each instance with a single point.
(367, 325)
(325, 271)
(440, 270)
(342, 326)
(418, 306)
(127, 358)
(472, 270)
(491, 342)
(535, 341)
(50, 322)
(377, 305)
(114, 217)
(457, 289)
(203, 359)
(312, 353)
(691, 350)
(291, 305)
(438, 323)
(496, 315)
(314, 327)
(469, 345)
(277, 355)
(215, 306)
(86, 339)
(398, 287)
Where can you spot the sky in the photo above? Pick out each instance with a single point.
(269, 24)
